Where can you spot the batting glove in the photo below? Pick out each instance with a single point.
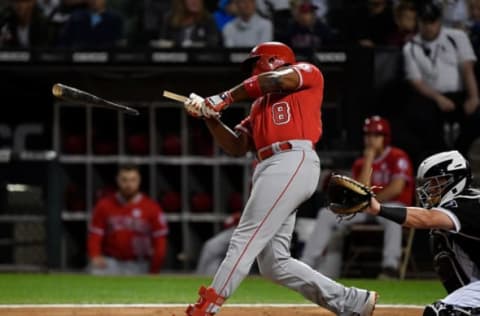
(218, 102)
(193, 105)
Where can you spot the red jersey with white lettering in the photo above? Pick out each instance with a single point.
(128, 231)
(393, 163)
(285, 116)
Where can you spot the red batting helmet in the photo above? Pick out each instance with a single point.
(378, 125)
(268, 56)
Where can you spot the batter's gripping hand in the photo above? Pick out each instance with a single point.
(193, 105)
(347, 196)
(218, 102)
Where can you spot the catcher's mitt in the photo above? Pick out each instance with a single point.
(346, 196)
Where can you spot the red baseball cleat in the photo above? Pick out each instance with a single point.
(207, 305)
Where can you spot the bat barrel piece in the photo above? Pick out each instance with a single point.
(57, 90)
(76, 95)
(173, 96)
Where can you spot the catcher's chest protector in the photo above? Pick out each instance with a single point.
(446, 263)
(442, 309)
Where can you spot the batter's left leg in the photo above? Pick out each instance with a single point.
(276, 264)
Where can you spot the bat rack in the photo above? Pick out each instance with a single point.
(187, 173)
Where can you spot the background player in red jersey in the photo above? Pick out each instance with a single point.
(283, 127)
(386, 167)
(128, 231)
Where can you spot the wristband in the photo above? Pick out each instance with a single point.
(252, 87)
(397, 214)
(220, 101)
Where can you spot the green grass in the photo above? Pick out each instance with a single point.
(75, 289)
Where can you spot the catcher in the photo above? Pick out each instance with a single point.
(450, 207)
(382, 165)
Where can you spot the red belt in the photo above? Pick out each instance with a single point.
(269, 152)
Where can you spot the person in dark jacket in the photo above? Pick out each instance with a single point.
(96, 27)
(306, 30)
(22, 25)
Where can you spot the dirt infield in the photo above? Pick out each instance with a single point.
(177, 311)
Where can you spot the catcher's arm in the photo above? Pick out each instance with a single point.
(415, 217)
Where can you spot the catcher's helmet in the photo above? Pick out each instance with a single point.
(441, 177)
(268, 56)
(378, 125)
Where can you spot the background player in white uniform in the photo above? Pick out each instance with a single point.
(451, 208)
(283, 127)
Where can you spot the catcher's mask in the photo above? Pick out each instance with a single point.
(441, 177)
(268, 56)
(378, 125)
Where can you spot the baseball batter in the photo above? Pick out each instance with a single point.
(283, 127)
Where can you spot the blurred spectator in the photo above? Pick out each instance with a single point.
(96, 27)
(278, 12)
(129, 12)
(405, 24)
(455, 13)
(377, 25)
(142, 18)
(22, 25)
(128, 231)
(189, 24)
(153, 17)
(248, 28)
(322, 9)
(267, 8)
(48, 6)
(439, 65)
(306, 30)
(227, 10)
(385, 167)
(60, 14)
(474, 29)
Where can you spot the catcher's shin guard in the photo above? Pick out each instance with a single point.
(208, 303)
(441, 309)
(445, 262)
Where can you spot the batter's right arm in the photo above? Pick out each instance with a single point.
(285, 79)
(234, 144)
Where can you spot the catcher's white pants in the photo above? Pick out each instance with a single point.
(280, 184)
(466, 296)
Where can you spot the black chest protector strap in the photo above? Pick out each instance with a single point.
(446, 263)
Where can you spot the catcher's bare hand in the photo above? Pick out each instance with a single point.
(374, 207)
